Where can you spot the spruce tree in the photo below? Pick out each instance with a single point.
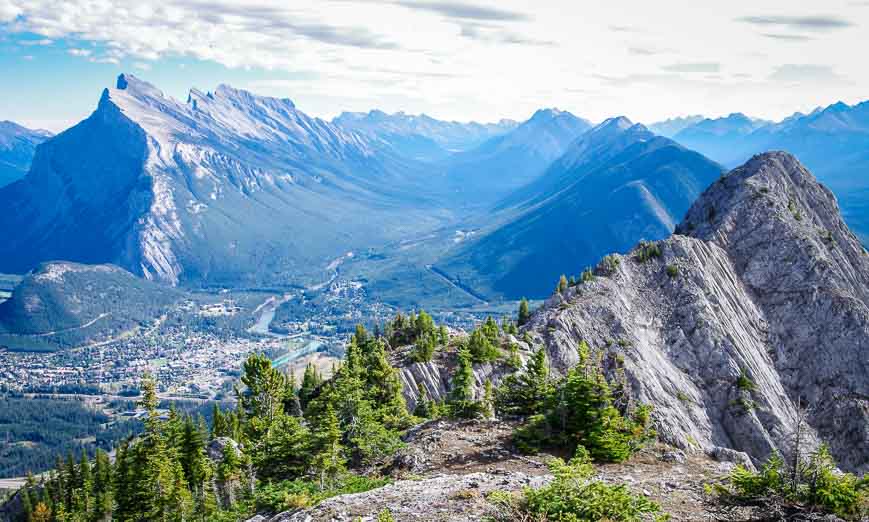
(461, 399)
(524, 312)
(329, 461)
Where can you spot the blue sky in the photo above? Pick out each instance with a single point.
(453, 59)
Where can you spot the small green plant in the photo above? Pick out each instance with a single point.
(609, 264)
(672, 271)
(587, 275)
(574, 495)
(385, 516)
(682, 396)
(646, 251)
(744, 383)
(813, 486)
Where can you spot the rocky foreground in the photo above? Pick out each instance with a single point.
(448, 469)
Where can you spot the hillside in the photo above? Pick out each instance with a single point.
(226, 188)
(615, 185)
(63, 304)
(17, 147)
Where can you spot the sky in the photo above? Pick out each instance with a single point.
(452, 59)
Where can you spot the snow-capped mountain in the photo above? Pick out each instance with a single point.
(672, 126)
(422, 136)
(17, 147)
(225, 187)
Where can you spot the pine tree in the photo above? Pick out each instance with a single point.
(525, 393)
(310, 382)
(262, 400)
(461, 399)
(524, 312)
(329, 460)
(481, 348)
(562, 284)
(26, 505)
(443, 335)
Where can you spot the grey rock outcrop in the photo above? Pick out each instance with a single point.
(442, 498)
(759, 302)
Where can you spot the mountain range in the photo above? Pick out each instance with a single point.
(225, 188)
(228, 188)
(422, 137)
(17, 147)
(832, 141)
(618, 183)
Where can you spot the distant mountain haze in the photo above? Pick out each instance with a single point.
(17, 147)
(615, 185)
(833, 142)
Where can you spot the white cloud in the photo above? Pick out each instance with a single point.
(482, 59)
(79, 52)
(142, 66)
(42, 42)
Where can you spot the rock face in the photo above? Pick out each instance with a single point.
(759, 302)
(227, 187)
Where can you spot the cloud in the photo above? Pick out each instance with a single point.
(643, 51)
(79, 52)
(496, 34)
(28, 57)
(465, 11)
(788, 37)
(806, 23)
(697, 67)
(43, 41)
(142, 66)
(806, 73)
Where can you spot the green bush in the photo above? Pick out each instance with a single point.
(815, 486)
(574, 496)
(647, 251)
(672, 270)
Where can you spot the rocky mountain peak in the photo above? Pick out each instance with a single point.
(755, 309)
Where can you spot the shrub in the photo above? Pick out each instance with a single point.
(587, 275)
(609, 264)
(646, 251)
(672, 270)
(572, 496)
(814, 486)
(743, 383)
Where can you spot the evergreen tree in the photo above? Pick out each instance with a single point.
(461, 399)
(261, 402)
(423, 407)
(524, 312)
(526, 392)
(329, 461)
(310, 382)
(26, 505)
(562, 284)
(443, 335)
(481, 348)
